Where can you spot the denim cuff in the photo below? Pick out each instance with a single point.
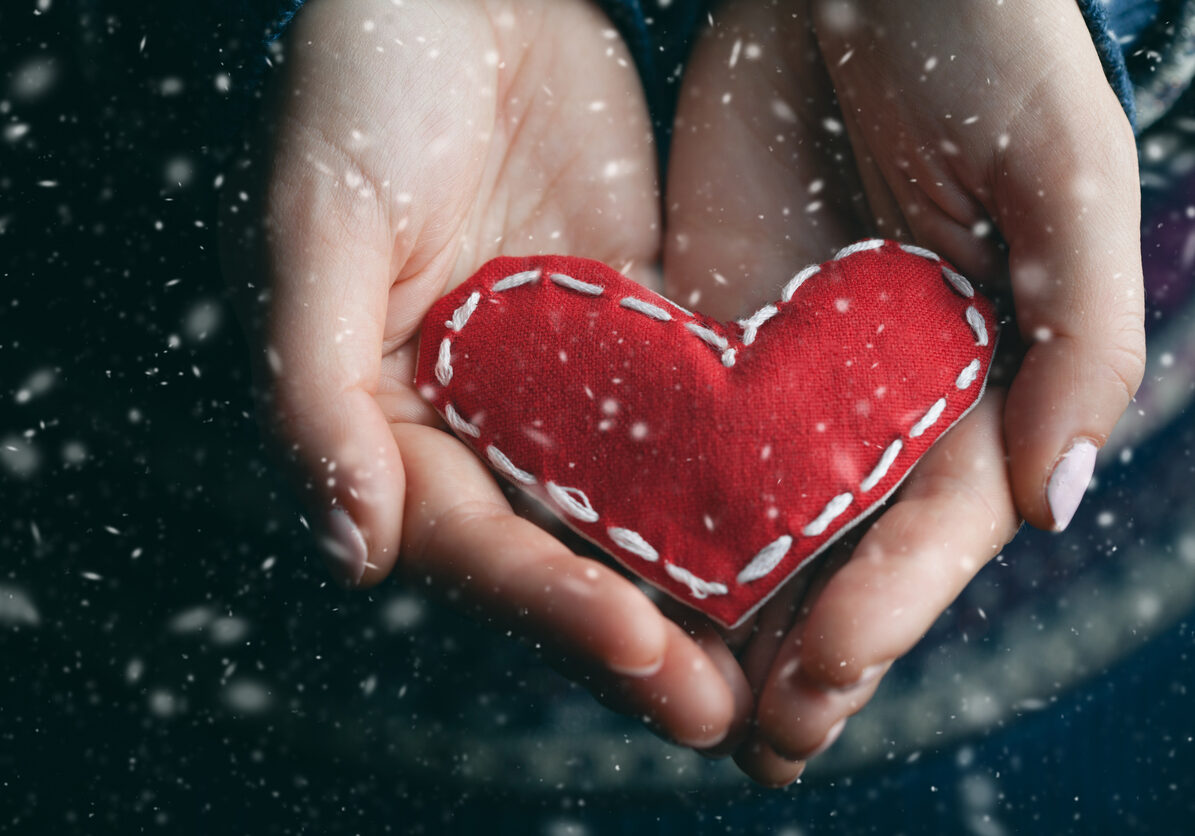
(1147, 48)
(1105, 38)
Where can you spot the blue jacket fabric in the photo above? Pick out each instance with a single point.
(659, 37)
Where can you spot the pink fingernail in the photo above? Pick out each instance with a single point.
(706, 742)
(637, 672)
(1069, 481)
(344, 547)
(870, 674)
(831, 736)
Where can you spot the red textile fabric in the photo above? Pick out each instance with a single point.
(713, 460)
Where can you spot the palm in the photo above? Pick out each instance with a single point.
(453, 132)
(402, 159)
(789, 193)
(835, 127)
(512, 163)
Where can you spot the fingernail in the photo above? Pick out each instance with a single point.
(782, 784)
(870, 674)
(706, 742)
(831, 737)
(637, 672)
(1069, 481)
(344, 547)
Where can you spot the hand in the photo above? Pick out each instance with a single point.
(408, 145)
(833, 120)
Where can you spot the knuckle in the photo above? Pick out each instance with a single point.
(420, 550)
(1123, 363)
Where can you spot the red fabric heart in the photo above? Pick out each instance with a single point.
(713, 460)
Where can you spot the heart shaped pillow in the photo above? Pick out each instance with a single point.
(713, 460)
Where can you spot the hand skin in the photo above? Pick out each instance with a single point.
(944, 129)
(404, 147)
(390, 174)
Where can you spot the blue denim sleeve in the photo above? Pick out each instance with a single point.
(1131, 17)
(660, 35)
(661, 39)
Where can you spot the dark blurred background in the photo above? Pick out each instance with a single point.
(173, 659)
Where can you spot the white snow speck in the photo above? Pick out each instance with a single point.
(202, 320)
(179, 172)
(162, 703)
(247, 696)
(17, 608)
(783, 111)
(228, 629)
(191, 620)
(15, 131)
(38, 383)
(18, 456)
(734, 53)
(34, 78)
(401, 613)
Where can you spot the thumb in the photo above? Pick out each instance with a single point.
(1075, 262)
(317, 333)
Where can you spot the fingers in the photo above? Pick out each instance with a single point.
(714, 644)
(800, 720)
(1069, 206)
(954, 513)
(313, 276)
(757, 187)
(754, 756)
(762, 764)
(695, 698)
(462, 539)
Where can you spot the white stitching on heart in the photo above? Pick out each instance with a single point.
(633, 542)
(766, 560)
(794, 284)
(444, 362)
(461, 315)
(499, 460)
(646, 308)
(833, 508)
(704, 334)
(700, 588)
(959, 283)
(859, 246)
(577, 285)
(881, 469)
(685, 311)
(458, 423)
(967, 376)
(517, 280)
(928, 419)
(573, 501)
(975, 320)
(751, 324)
(913, 249)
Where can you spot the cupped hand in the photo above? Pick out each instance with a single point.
(407, 144)
(805, 126)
